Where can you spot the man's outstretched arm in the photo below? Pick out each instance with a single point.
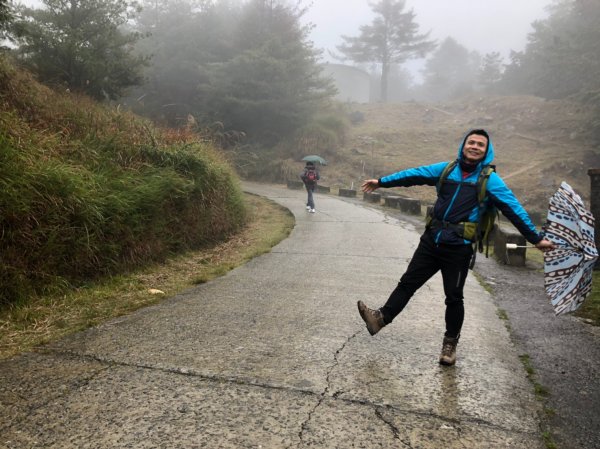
(369, 185)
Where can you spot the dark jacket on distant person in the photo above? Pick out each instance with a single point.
(304, 176)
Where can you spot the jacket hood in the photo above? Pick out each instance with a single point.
(489, 154)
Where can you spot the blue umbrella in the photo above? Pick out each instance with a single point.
(314, 158)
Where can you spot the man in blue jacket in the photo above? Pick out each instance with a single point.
(445, 244)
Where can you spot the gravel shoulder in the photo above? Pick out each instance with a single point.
(564, 352)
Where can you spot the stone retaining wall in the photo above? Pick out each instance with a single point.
(410, 206)
(372, 197)
(349, 193)
(391, 201)
(504, 234)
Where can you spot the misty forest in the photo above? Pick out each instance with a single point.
(130, 123)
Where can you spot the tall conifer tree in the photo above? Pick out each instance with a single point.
(81, 45)
(392, 38)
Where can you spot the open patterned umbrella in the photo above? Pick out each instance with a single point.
(568, 268)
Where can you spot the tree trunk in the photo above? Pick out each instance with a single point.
(385, 69)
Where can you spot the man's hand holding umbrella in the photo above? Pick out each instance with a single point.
(545, 245)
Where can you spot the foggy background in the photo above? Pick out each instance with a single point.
(483, 26)
(280, 78)
(493, 25)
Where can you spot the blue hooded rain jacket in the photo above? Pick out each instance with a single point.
(457, 198)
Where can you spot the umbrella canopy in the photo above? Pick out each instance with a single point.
(314, 158)
(568, 268)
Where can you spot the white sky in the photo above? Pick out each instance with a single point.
(482, 25)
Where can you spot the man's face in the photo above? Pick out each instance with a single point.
(474, 148)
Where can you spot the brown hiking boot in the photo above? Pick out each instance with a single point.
(373, 318)
(448, 355)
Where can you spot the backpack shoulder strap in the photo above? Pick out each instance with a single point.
(447, 169)
(488, 215)
(482, 181)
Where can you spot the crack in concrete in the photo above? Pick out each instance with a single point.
(269, 386)
(389, 424)
(183, 372)
(322, 396)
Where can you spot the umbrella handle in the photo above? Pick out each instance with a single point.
(515, 246)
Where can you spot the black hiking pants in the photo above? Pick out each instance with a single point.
(310, 189)
(428, 259)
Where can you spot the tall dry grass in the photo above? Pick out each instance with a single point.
(87, 191)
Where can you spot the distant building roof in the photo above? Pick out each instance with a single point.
(353, 84)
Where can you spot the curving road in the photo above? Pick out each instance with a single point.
(274, 355)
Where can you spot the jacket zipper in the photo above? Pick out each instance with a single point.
(437, 237)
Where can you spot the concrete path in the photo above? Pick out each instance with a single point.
(275, 355)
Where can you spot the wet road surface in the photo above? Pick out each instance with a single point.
(275, 355)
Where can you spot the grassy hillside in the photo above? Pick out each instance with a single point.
(87, 191)
(538, 143)
(51, 317)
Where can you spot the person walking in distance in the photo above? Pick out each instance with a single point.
(310, 176)
(452, 229)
